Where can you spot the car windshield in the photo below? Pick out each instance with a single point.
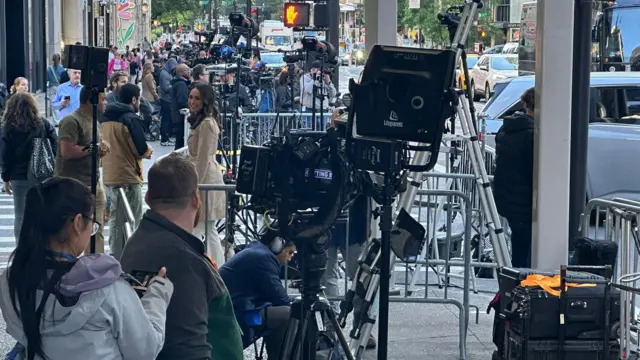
(624, 34)
(504, 63)
(472, 61)
(272, 58)
(277, 40)
(503, 100)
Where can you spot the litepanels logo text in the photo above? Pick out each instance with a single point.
(393, 121)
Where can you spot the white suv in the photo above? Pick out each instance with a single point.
(489, 70)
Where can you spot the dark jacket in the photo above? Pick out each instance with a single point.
(164, 80)
(284, 102)
(358, 226)
(513, 179)
(231, 98)
(200, 320)
(17, 148)
(146, 109)
(253, 279)
(122, 129)
(180, 98)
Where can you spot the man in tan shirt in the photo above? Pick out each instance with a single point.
(74, 158)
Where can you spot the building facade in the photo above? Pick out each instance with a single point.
(23, 42)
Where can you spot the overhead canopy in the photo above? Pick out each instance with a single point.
(347, 7)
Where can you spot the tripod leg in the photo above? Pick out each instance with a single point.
(289, 342)
(343, 341)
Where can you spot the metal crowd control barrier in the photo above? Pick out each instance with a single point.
(207, 188)
(128, 224)
(446, 264)
(620, 217)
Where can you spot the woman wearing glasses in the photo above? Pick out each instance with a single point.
(60, 305)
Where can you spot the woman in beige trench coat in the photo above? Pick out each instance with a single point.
(203, 143)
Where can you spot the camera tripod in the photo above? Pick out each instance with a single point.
(308, 313)
(368, 281)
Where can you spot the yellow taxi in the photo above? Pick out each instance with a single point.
(472, 59)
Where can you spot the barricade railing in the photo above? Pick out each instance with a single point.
(443, 267)
(125, 208)
(481, 244)
(619, 218)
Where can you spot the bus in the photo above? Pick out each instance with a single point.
(615, 36)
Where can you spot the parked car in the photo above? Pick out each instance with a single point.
(472, 60)
(493, 50)
(490, 69)
(614, 129)
(273, 60)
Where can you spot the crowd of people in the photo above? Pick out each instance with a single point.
(63, 298)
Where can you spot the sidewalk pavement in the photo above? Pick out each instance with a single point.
(42, 103)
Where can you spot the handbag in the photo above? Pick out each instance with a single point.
(42, 160)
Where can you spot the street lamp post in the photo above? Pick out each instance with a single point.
(145, 10)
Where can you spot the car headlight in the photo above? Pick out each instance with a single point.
(359, 54)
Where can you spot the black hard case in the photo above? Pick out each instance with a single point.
(565, 349)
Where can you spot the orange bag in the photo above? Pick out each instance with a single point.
(549, 284)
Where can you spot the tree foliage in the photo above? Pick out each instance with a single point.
(426, 19)
(171, 8)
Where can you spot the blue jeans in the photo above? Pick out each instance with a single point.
(19, 188)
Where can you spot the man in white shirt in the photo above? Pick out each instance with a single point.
(324, 91)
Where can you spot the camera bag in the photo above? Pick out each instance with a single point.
(508, 280)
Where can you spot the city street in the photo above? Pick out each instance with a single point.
(436, 328)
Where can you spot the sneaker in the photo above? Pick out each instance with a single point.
(371, 343)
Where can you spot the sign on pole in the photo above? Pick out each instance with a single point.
(414, 4)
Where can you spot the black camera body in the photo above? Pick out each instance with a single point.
(308, 165)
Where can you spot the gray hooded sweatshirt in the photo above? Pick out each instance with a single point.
(108, 322)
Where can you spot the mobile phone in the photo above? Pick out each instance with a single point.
(142, 280)
(67, 97)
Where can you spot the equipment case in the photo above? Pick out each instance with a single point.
(534, 325)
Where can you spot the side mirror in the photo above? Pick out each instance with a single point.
(483, 67)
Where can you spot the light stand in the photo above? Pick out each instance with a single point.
(95, 98)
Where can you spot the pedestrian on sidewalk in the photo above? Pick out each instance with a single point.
(74, 158)
(166, 95)
(513, 179)
(68, 95)
(122, 167)
(203, 144)
(54, 72)
(21, 126)
(60, 305)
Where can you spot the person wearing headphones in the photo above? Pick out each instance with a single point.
(252, 277)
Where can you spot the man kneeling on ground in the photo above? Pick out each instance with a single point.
(200, 324)
(253, 279)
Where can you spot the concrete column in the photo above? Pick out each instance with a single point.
(552, 134)
(73, 18)
(381, 22)
(55, 27)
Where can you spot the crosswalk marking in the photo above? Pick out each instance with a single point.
(7, 239)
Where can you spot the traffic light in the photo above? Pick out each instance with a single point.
(483, 34)
(200, 27)
(297, 14)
